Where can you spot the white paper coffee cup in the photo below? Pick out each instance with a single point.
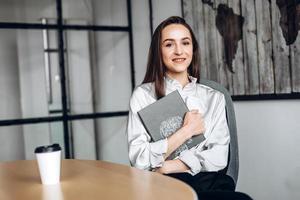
(49, 162)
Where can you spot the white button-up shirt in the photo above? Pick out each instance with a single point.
(209, 155)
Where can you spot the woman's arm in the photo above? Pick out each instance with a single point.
(172, 166)
(144, 154)
(209, 157)
(193, 124)
(213, 154)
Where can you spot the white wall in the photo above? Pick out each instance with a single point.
(269, 135)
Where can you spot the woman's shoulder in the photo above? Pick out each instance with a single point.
(209, 92)
(143, 89)
(142, 94)
(208, 89)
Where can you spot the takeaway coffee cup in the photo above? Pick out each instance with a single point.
(48, 158)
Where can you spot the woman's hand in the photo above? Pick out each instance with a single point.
(161, 170)
(172, 166)
(194, 123)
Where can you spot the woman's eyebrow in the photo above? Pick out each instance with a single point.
(170, 39)
(186, 38)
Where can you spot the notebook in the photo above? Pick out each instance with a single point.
(164, 117)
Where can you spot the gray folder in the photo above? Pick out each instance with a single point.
(164, 117)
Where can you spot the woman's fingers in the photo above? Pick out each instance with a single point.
(194, 111)
(195, 122)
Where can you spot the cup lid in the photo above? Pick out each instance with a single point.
(47, 149)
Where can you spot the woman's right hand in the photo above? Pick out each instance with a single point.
(194, 123)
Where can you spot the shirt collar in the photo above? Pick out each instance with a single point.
(175, 84)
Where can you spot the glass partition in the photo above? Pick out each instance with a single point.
(27, 11)
(19, 142)
(29, 75)
(111, 139)
(98, 71)
(102, 13)
(112, 72)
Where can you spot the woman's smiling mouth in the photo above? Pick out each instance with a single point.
(179, 60)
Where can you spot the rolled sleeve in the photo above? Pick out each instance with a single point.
(191, 161)
(212, 154)
(143, 153)
(158, 150)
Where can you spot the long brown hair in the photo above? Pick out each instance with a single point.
(156, 69)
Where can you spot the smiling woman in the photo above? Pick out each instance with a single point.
(177, 51)
(172, 39)
(173, 64)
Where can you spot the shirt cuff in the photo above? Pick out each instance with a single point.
(191, 161)
(158, 150)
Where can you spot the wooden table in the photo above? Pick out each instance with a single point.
(87, 179)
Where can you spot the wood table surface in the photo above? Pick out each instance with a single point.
(88, 179)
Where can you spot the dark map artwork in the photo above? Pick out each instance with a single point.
(208, 2)
(252, 47)
(289, 19)
(229, 26)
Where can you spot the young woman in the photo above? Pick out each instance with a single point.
(173, 64)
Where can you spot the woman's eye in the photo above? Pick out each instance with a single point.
(168, 44)
(186, 43)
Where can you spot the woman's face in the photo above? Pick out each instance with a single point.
(177, 49)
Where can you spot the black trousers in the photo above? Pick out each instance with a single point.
(211, 185)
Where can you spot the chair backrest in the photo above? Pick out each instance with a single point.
(233, 163)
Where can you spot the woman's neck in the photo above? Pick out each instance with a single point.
(183, 79)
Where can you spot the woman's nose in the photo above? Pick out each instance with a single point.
(178, 50)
